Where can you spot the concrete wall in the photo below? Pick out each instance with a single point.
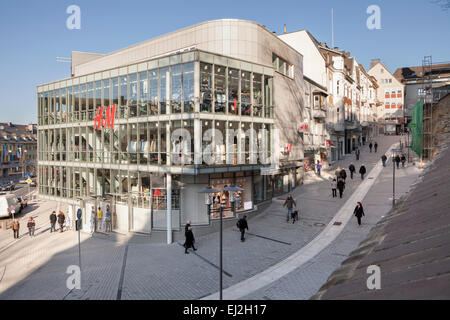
(230, 37)
(313, 61)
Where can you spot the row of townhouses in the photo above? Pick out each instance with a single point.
(146, 128)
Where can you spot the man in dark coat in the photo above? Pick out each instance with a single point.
(352, 169)
(190, 240)
(403, 158)
(359, 212)
(397, 160)
(363, 171)
(384, 159)
(343, 174)
(357, 153)
(370, 146)
(242, 225)
(61, 219)
(52, 222)
(341, 186)
(375, 146)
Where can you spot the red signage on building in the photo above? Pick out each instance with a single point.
(108, 121)
(289, 147)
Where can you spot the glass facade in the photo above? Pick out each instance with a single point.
(83, 155)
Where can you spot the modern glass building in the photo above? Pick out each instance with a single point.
(143, 129)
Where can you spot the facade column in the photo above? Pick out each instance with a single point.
(197, 143)
(169, 207)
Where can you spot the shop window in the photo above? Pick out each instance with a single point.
(143, 93)
(164, 86)
(233, 91)
(245, 94)
(205, 87)
(257, 95)
(176, 89)
(220, 89)
(153, 91)
(188, 87)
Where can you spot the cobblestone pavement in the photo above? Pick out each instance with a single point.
(35, 268)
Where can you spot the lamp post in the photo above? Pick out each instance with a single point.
(393, 179)
(208, 191)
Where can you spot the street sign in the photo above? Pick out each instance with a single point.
(78, 225)
(396, 150)
(28, 180)
(412, 125)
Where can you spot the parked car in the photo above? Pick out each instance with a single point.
(9, 202)
(9, 186)
(23, 202)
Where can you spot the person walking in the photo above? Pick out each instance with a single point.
(99, 217)
(318, 167)
(94, 216)
(334, 187)
(15, 228)
(93, 221)
(359, 212)
(186, 228)
(242, 225)
(190, 240)
(61, 219)
(370, 146)
(357, 153)
(375, 146)
(397, 160)
(403, 159)
(68, 222)
(337, 172)
(108, 227)
(31, 225)
(343, 174)
(52, 222)
(341, 186)
(289, 204)
(352, 170)
(362, 171)
(384, 159)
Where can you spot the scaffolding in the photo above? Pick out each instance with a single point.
(427, 91)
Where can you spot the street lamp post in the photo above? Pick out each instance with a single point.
(393, 179)
(208, 191)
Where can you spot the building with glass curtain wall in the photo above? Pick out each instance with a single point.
(233, 76)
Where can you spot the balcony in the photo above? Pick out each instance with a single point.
(318, 114)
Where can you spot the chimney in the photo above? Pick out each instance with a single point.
(284, 30)
(373, 62)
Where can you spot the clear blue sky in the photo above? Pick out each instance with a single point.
(34, 33)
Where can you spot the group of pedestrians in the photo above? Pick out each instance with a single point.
(63, 222)
(189, 242)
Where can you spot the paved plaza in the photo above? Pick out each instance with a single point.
(125, 267)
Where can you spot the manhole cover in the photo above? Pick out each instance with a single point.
(337, 223)
(318, 224)
(370, 178)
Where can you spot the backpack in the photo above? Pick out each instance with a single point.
(238, 224)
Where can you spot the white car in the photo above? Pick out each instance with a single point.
(8, 203)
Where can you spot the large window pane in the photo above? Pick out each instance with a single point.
(123, 96)
(153, 92)
(257, 95)
(268, 96)
(132, 100)
(176, 89)
(143, 93)
(188, 87)
(164, 89)
(220, 89)
(98, 99)
(83, 92)
(205, 87)
(90, 102)
(233, 91)
(245, 93)
(64, 105)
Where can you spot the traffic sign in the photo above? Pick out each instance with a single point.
(412, 125)
(28, 180)
(396, 150)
